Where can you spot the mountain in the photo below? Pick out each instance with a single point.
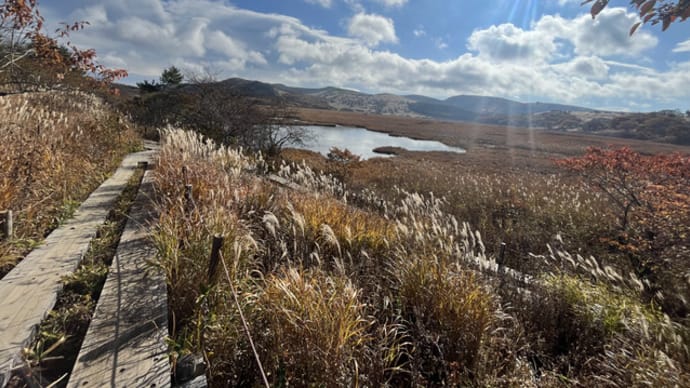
(502, 106)
(463, 107)
(668, 126)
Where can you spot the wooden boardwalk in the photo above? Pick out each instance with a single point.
(125, 344)
(29, 291)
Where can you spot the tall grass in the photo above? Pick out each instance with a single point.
(343, 288)
(56, 148)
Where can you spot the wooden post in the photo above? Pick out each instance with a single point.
(188, 193)
(215, 256)
(188, 200)
(7, 224)
(502, 255)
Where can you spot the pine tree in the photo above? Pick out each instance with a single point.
(171, 77)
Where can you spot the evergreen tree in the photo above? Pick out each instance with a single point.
(148, 87)
(171, 77)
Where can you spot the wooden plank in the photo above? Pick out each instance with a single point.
(30, 290)
(286, 183)
(125, 343)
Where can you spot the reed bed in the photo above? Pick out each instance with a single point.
(356, 288)
(56, 148)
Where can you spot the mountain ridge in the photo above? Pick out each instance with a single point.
(666, 126)
(460, 107)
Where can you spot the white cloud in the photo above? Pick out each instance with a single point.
(591, 68)
(419, 32)
(440, 44)
(323, 3)
(507, 42)
(392, 3)
(372, 29)
(682, 47)
(607, 35)
(560, 59)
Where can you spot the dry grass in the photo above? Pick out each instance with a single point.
(318, 327)
(490, 147)
(524, 209)
(56, 148)
(388, 287)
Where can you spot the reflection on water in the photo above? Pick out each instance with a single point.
(362, 142)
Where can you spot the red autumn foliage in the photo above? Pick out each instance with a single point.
(651, 11)
(23, 37)
(650, 194)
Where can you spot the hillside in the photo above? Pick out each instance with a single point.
(463, 107)
(666, 126)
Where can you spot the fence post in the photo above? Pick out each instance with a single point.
(215, 257)
(7, 224)
(502, 255)
(188, 197)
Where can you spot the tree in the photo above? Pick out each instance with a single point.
(25, 47)
(220, 113)
(651, 198)
(340, 162)
(651, 11)
(232, 119)
(148, 87)
(171, 77)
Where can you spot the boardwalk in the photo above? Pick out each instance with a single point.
(125, 344)
(30, 290)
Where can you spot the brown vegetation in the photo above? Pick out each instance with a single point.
(394, 288)
(56, 148)
(490, 147)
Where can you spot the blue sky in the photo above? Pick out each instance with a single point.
(548, 50)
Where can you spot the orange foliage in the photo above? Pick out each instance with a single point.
(22, 23)
(654, 12)
(651, 196)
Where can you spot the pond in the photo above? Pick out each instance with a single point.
(362, 142)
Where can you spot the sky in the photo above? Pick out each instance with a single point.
(527, 50)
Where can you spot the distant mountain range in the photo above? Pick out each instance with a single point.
(463, 107)
(665, 126)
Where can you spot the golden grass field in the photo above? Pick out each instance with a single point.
(56, 147)
(379, 282)
(380, 272)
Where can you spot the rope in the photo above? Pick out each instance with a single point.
(244, 321)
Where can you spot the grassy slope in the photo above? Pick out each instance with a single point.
(57, 148)
(389, 292)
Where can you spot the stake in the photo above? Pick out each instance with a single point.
(7, 224)
(189, 200)
(502, 255)
(215, 254)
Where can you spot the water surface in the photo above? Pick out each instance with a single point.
(362, 142)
